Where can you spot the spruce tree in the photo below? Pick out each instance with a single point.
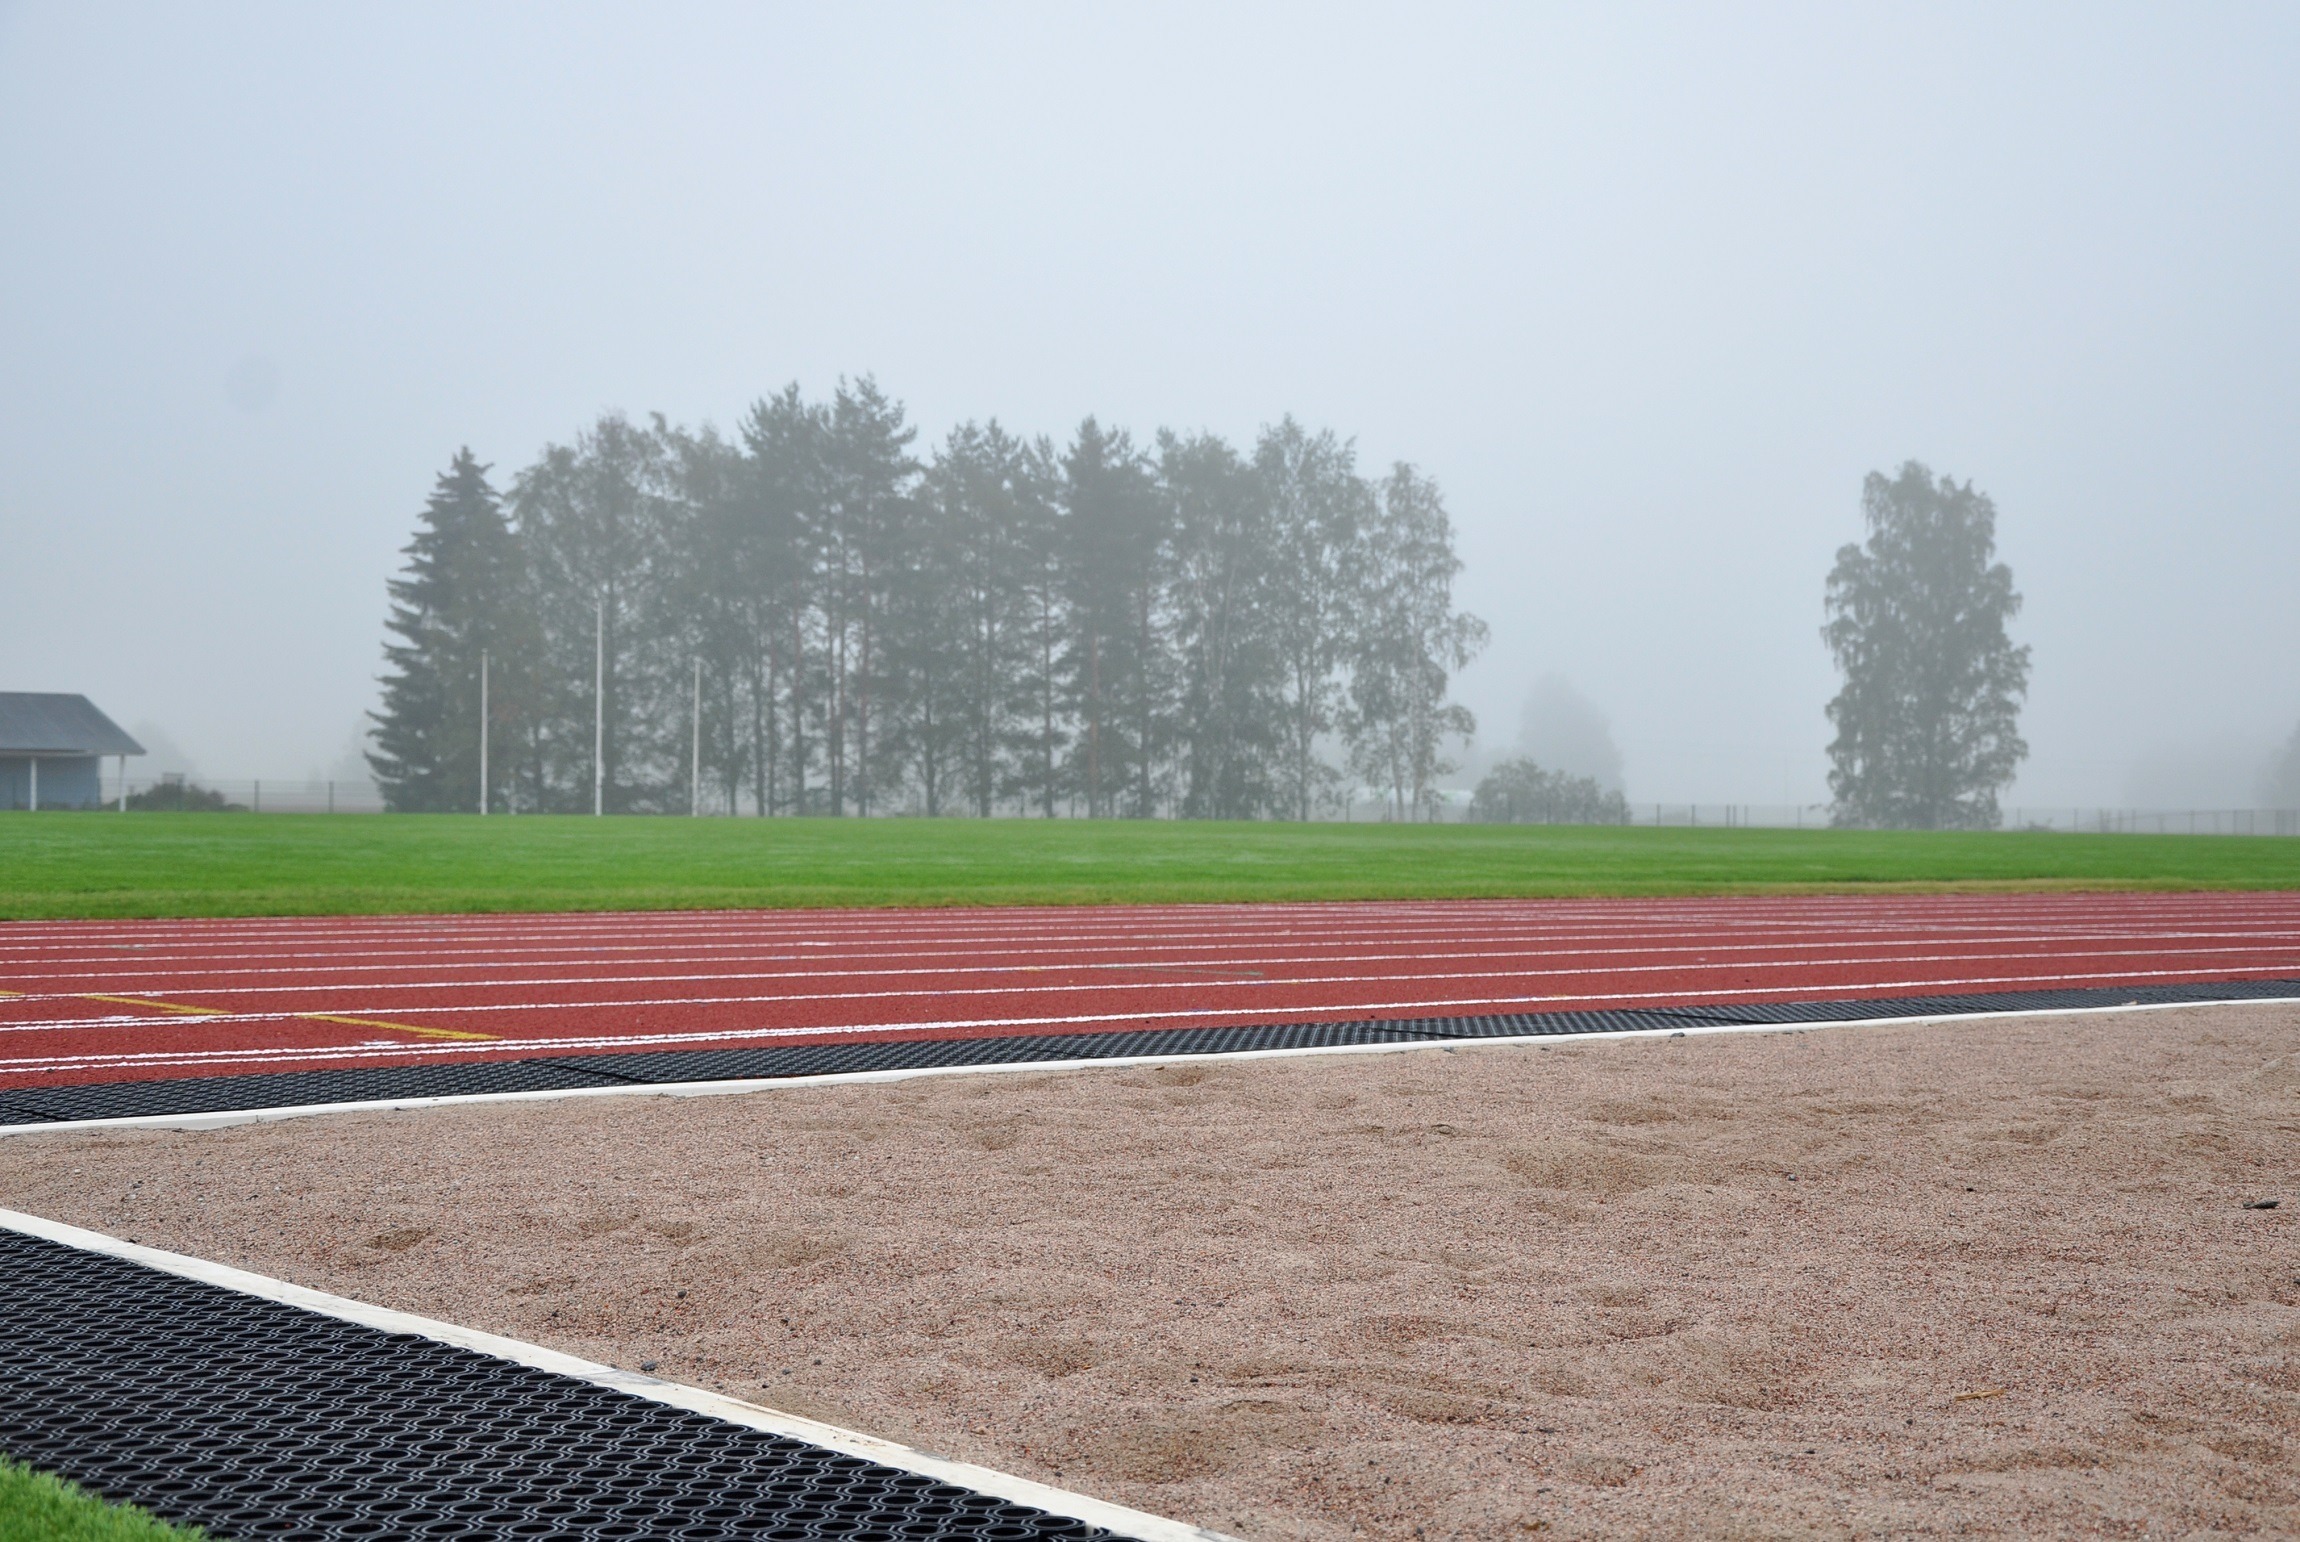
(1114, 532)
(1231, 704)
(1928, 719)
(444, 608)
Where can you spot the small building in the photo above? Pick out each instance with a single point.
(50, 748)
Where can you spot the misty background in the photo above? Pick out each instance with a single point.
(1647, 290)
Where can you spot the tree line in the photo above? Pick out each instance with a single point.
(807, 617)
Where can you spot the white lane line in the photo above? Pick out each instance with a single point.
(654, 927)
(1359, 1011)
(223, 1118)
(2152, 947)
(983, 1480)
(122, 1020)
(1080, 952)
(1839, 903)
(939, 941)
(162, 984)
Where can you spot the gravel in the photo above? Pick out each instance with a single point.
(1993, 1276)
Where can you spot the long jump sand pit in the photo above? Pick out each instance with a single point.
(1993, 1275)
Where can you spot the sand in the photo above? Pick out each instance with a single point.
(1990, 1276)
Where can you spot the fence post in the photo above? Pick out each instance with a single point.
(256, 803)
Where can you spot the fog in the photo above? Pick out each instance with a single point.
(1648, 290)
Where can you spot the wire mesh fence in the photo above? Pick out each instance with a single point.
(2087, 821)
(253, 795)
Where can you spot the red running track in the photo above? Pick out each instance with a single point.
(101, 1001)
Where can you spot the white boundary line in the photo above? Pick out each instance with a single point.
(219, 1119)
(1118, 1518)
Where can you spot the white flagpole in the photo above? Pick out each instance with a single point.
(483, 733)
(599, 716)
(695, 793)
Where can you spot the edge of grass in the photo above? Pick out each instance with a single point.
(153, 865)
(38, 1506)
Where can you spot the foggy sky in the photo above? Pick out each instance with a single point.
(1648, 290)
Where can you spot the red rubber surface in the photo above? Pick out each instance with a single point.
(107, 1001)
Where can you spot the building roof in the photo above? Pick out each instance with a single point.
(53, 723)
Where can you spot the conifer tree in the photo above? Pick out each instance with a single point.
(1113, 534)
(1102, 630)
(447, 606)
(1231, 704)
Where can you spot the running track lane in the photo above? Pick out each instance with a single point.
(108, 1001)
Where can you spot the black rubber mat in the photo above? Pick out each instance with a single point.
(146, 1099)
(259, 1420)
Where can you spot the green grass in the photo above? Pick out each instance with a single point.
(35, 1507)
(63, 864)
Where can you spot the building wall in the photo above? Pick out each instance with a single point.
(65, 782)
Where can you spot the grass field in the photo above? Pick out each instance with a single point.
(60, 865)
(35, 1507)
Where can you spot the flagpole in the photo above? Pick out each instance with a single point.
(599, 715)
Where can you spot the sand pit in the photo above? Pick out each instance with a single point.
(1982, 1276)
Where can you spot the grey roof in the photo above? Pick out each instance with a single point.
(52, 723)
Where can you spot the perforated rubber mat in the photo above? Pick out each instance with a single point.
(148, 1099)
(255, 1419)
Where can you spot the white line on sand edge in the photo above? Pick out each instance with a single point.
(1118, 1518)
(220, 1118)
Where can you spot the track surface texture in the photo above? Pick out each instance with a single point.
(87, 1003)
(255, 1419)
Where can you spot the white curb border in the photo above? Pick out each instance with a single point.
(1125, 1522)
(221, 1118)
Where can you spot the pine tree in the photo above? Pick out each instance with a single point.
(1100, 630)
(592, 521)
(868, 477)
(447, 606)
(1232, 690)
(1928, 719)
(1113, 536)
(984, 506)
(779, 559)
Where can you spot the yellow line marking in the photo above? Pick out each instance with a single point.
(158, 1006)
(370, 1022)
(308, 1017)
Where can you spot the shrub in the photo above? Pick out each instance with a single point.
(1519, 792)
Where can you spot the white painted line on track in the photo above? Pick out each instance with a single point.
(1126, 1522)
(383, 1050)
(652, 929)
(222, 1119)
(2153, 944)
(1424, 1005)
